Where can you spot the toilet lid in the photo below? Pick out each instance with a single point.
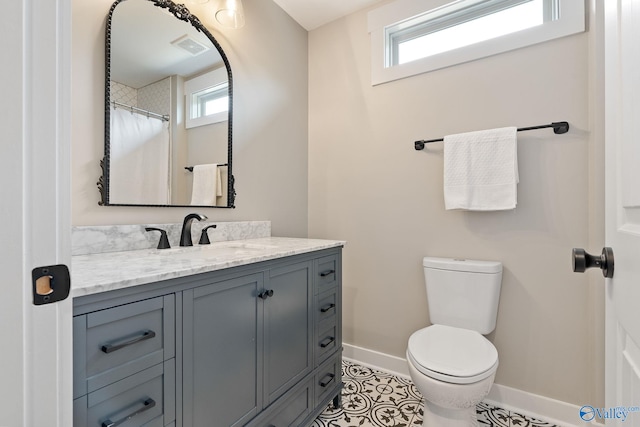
(452, 352)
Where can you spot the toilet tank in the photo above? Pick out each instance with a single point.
(463, 293)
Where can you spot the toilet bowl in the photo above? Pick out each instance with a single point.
(450, 362)
(454, 370)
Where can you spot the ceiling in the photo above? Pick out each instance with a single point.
(312, 14)
(143, 46)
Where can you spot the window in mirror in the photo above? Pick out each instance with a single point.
(211, 101)
(207, 98)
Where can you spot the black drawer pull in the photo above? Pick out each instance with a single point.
(327, 342)
(109, 348)
(327, 307)
(148, 404)
(325, 382)
(327, 273)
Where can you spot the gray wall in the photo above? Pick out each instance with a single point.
(269, 63)
(369, 186)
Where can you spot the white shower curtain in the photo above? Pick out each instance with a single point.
(139, 160)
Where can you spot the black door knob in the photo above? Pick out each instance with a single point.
(583, 261)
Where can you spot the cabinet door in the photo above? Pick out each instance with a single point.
(287, 328)
(221, 346)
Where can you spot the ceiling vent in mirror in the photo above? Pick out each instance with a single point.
(188, 44)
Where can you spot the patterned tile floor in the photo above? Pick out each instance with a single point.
(372, 398)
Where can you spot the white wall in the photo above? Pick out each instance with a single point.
(369, 186)
(269, 63)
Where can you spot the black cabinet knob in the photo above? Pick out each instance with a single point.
(266, 294)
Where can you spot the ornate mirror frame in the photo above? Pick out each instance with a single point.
(182, 13)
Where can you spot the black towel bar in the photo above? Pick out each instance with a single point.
(558, 128)
(190, 168)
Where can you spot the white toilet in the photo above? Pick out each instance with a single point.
(450, 362)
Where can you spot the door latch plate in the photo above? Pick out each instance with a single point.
(50, 284)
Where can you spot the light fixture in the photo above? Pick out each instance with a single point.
(230, 13)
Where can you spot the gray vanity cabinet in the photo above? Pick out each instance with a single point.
(246, 342)
(256, 346)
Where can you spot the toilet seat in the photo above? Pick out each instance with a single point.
(453, 355)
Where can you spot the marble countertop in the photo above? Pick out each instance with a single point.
(91, 274)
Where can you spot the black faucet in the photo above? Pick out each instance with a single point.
(204, 237)
(164, 240)
(185, 236)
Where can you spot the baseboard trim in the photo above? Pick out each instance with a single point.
(532, 405)
(535, 406)
(376, 360)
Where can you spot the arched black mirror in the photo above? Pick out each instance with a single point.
(168, 109)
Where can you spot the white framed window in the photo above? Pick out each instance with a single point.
(410, 37)
(207, 98)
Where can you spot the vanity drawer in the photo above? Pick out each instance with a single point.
(326, 270)
(326, 305)
(112, 344)
(327, 340)
(144, 399)
(293, 410)
(329, 377)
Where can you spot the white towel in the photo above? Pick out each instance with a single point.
(218, 182)
(481, 170)
(206, 185)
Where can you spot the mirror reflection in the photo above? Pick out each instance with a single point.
(169, 109)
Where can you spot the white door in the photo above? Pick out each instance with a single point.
(622, 165)
(35, 341)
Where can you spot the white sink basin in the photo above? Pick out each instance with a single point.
(214, 250)
(252, 246)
